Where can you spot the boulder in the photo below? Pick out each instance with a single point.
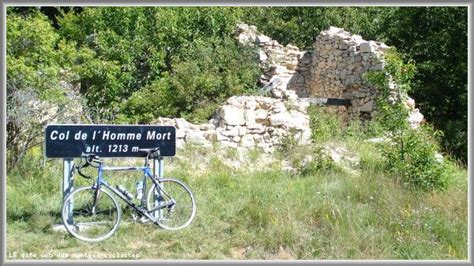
(231, 131)
(280, 119)
(250, 118)
(415, 118)
(262, 56)
(367, 107)
(242, 131)
(298, 120)
(260, 115)
(196, 137)
(180, 133)
(232, 115)
(262, 39)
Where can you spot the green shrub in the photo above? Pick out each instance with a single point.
(289, 144)
(152, 61)
(411, 153)
(324, 126)
(320, 163)
(412, 157)
(204, 77)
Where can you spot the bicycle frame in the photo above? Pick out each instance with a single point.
(100, 181)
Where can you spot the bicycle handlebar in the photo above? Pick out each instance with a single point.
(90, 158)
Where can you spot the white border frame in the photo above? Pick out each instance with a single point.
(5, 3)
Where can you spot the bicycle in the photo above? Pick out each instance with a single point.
(91, 213)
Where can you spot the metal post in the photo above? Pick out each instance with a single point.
(158, 171)
(68, 185)
(162, 167)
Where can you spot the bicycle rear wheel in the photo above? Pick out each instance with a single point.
(181, 209)
(94, 215)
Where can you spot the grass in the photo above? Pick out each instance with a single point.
(325, 213)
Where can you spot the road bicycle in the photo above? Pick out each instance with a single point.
(92, 213)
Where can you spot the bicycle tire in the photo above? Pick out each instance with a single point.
(104, 219)
(182, 213)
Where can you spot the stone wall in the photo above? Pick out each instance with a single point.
(333, 69)
(339, 62)
(284, 67)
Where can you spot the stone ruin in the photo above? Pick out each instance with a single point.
(294, 79)
(333, 69)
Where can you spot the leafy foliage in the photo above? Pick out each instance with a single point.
(412, 153)
(324, 126)
(436, 39)
(413, 157)
(184, 57)
(300, 25)
(207, 74)
(37, 62)
(394, 83)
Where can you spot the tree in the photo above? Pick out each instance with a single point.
(38, 91)
(436, 38)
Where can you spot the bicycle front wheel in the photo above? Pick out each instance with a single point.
(90, 214)
(180, 207)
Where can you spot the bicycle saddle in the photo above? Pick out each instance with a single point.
(152, 152)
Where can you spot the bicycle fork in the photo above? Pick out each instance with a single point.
(97, 194)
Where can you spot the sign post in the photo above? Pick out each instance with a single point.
(158, 171)
(72, 141)
(68, 185)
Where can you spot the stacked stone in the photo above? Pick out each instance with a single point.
(302, 78)
(247, 122)
(339, 62)
(334, 69)
(285, 65)
(256, 121)
(187, 132)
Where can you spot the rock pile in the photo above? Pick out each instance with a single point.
(263, 122)
(247, 122)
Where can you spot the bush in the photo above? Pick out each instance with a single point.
(411, 154)
(152, 61)
(413, 157)
(320, 163)
(37, 63)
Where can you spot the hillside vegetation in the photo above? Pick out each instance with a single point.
(133, 64)
(249, 208)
